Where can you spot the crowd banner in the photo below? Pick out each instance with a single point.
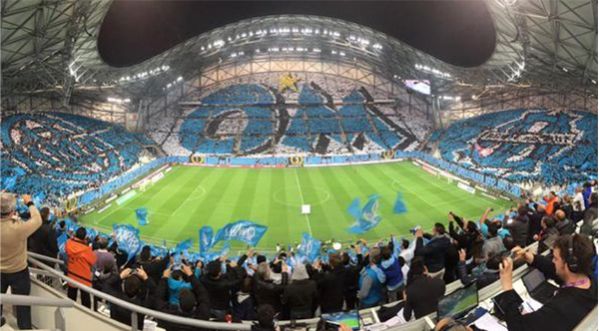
(309, 249)
(242, 230)
(127, 238)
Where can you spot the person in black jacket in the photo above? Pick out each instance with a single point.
(466, 234)
(434, 252)
(265, 319)
(519, 227)
(154, 266)
(331, 285)
(534, 224)
(301, 295)
(563, 225)
(422, 292)
(133, 286)
(221, 287)
(488, 276)
(193, 303)
(351, 277)
(43, 240)
(572, 302)
(266, 291)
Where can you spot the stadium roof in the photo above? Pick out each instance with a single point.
(51, 46)
(134, 31)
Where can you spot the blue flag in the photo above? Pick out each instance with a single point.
(396, 246)
(246, 231)
(61, 242)
(354, 209)
(158, 251)
(309, 248)
(127, 238)
(206, 236)
(400, 206)
(142, 216)
(92, 234)
(369, 217)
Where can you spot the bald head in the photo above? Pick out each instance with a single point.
(560, 215)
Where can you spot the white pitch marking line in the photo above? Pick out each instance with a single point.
(299, 187)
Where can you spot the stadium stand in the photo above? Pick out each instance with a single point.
(57, 154)
(524, 145)
(327, 116)
(196, 290)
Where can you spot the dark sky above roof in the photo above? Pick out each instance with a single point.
(458, 32)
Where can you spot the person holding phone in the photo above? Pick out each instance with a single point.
(13, 250)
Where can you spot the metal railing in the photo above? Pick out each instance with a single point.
(135, 309)
(26, 300)
(246, 325)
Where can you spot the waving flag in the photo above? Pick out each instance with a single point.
(246, 231)
(368, 218)
(127, 238)
(354, 209)
(309, 248)
(61, 241)
(92, 234)
(158, 251)
(400, 206)
(142, 216)
(206, 236)
(396, 246)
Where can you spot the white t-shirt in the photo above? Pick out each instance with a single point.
(578, 202)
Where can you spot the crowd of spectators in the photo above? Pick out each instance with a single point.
(56, 154)
(412, 274)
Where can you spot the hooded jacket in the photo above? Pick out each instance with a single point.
(301, 295)
(80, 259)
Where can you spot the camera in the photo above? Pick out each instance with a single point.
(414, 229)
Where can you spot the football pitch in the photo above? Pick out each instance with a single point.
(188, 198)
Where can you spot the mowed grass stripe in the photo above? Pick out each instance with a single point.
(170, 207)
(185, 221)
(323, 213)
(450, 191)
(271, 196)
(277, 219)
(126, 212)
(394, 222)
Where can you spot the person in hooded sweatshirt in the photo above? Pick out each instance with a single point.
(243, 303)
(301, 295)
(570, 267)
(80, 260)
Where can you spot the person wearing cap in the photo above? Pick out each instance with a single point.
(13, 251)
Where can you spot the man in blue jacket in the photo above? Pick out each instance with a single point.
(371, 281)
(391, 266)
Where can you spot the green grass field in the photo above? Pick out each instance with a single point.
(190, 197)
